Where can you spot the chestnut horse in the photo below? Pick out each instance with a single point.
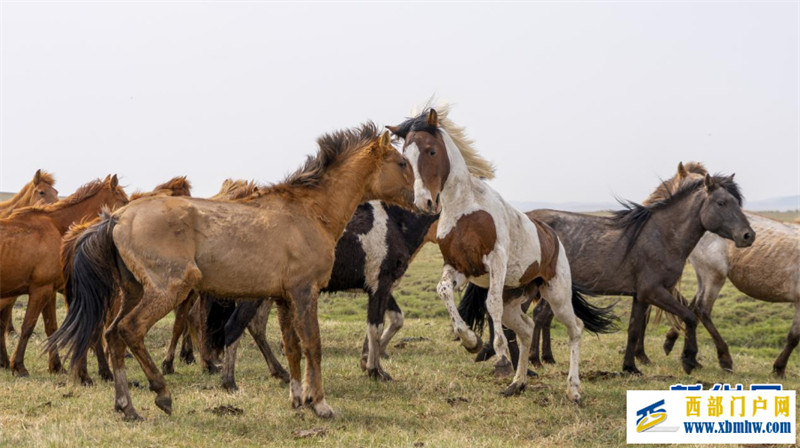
(769, 270)
(280, 244)
(177, 186)
(489, 243)
(38, 191)
(29, 263)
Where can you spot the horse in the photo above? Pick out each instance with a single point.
(38, 191)
(29, 262)
(489, 243)
(177, 186)
(161, 249)
(767, 270)
(641, 250)
(378, 245)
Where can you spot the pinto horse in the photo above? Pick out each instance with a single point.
(38, 191)
(280, 244)
(641, 251)
(29, 260)
(767, 270)
(486, 241)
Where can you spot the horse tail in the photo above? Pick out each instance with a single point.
(595, 319)
(92, 284)
(240, 318)
(472, 307)
(219, 312)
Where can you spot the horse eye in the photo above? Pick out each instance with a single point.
(432, 152)
(403, 165)
(721, 203)
(41, 193)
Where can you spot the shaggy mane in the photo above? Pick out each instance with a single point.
(177, 186)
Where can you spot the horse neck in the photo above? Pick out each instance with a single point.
(64, 216)
(681, 224)
(457, 190)
(22, 198)
(340, 191)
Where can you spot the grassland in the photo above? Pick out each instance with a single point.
(439, 396)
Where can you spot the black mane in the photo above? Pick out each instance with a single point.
(418, 123)
(633, 218)
(332, 147)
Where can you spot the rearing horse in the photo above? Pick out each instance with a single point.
(486, 241)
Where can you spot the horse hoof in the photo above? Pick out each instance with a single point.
(167, 368)
(690, 364)
(364, 364)
(322, 409)
(379, 374)
(478, 345)
(187, 357)
(106, 375)
(535, 363)
(19, 371)
(642, 358)
(574, 396)
(281, 375)
(384, 355)
(230, 386)
(780, 372)
(632, 370)
(87, 382)
(503, 368)
(668, 344)
(514, 389)
(132, 416)
(165, 404)
(212, 368)
(296, 402)
(548, 360)
(486, 352)
(726, 364)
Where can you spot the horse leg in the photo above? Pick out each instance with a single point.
(452, 280)
(779, 368)
(376, 308)
(229, 366)
(663, 299)
(396, 319)
(494, 307)
(305, 305)
(116, 350)
(522, 325)
(638, 349)
(9, 322)
(181, 312)
(5, 316)
(257, 327)
(638, 311)
(702, 308)
(558, 292)
(102, 361)
(543, 319)
(37, 299)
(291, 343)
(50, 326)
(187, 347)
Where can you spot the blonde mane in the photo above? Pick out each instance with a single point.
(82, 193)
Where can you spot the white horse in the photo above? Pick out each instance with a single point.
(489, 243)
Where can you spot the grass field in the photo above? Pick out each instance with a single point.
(439, 396)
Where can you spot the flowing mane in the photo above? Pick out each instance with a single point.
(634, 216)
(665, 188)
(47, 178)
(237, 189)
(177, 186)
(334, 148)
(477, 165)
(82, 193)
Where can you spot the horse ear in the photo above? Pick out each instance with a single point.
(682, 172)
(709, 182)
(114, 181)
(37, 177)
(386, 139)
(731, 176)
(393, 129)
(433, 118)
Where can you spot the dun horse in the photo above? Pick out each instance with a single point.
(486, 241)
(377, 247)
(280, 245)
(29, 263)
(767, 270)
(641, 250)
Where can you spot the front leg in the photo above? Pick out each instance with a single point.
(453, 280)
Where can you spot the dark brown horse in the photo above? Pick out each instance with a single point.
(280, 245)
(641, 250)
(29, 260)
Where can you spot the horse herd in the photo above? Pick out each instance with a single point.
(353, 217)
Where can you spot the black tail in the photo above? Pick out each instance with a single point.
(595, 319)
(245, 312)
(218, 313)
(472, 307)
(92, 286)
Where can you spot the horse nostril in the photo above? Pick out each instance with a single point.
(430, 204)
(746, 236)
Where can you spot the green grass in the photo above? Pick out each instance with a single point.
(439, 396)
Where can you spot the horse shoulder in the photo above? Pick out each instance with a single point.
(468, 242)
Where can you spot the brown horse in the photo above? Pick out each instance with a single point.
(177, 186)
(38, 191)
(280, 244)
(29, 264)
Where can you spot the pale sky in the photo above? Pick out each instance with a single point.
(572, 101)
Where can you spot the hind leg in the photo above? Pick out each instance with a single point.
(522, 325)
(258, 330)
(638, 311)
(661, 297)
(178, 329)
(291, 343)
(6, 304)
(37, 300)
(50, 326)
(542, 319)
(638, 349)
(229, 366)
(396, 320)
(116, 351)
(779, 368)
